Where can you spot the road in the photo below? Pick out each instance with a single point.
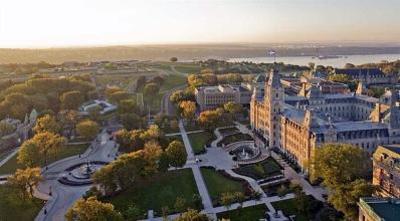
(64, 196)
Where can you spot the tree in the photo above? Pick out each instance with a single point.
(140, 82)
(47, 123)
(192, 215)
(43, 145)
(118, 96)
(69, 119)
(126, 106)
(151, 154)
(151, 89)
(209, 119)
(133, 213)
(188, 110)
(349, 65)
(71, 100)
(180, 204)
(342, 167)
(92, 209)
(340, 164)
(173, 59)
(6, 128)
(228, 198)
(25, 180)
(94, 113)
(87, 129)
(176, 154)
(129, 140)
(233, 109)
(131, 121)
(346, 196)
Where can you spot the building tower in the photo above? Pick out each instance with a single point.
(273, 106)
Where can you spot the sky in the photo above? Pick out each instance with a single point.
(63, 23)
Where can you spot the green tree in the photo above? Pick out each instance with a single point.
(192, 215)
(209, 119)
(176, 154)
(47, 123)
(180, 204)
(342, 168)
(92, 210)
(25, 181)
(173, 59)
(87, 129)
(233, 109)
(29, 154)
(340, 164)
(151, 89)
(131, 121)
(126, 106)
(227, 199)
(71, 100)
(6, 128)
(118, 96)
(133, 213)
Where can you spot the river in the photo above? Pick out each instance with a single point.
(335, 62)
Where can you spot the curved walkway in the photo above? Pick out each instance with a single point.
(62, 197)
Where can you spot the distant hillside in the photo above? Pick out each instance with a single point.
(183, 52)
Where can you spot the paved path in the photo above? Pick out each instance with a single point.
(292, 175)
(201, 186)
(64, 196)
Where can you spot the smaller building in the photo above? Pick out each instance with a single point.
(378, 209)
(386, 170)
(209, 97)
(103, 106)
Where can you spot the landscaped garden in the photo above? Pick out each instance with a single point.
(69, 150)
(228, 131)
(303, 211)
(198, 141)
(247, 213)
(234, 138)
(218, 183)
(160, 191)
(262, 170)
(14, 208)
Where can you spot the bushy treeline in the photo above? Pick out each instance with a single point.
(44, 94)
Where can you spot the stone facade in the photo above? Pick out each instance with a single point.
(210, 97)
(299, 124)
(386, 170)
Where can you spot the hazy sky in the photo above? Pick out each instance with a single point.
(49, 23)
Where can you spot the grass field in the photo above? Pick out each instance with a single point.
(248, 213)
(14, 208)
(12, 165)
(261, 170)
(198, 140)
(218, 184)
(159, 191)
(189, 68)
(172, 81)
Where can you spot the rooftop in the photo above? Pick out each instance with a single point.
(386, 209)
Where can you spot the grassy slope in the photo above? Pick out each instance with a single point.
(198, 140)
(248, 213)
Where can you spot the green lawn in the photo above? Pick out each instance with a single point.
(198, 140)
(12, 165)
(172, 138)
(267, 168)
(13, 208)
(288, 207)
(234, 138)
(172, 81)
(248, 213)
(160, 191)
(188, 68)
(218, 184)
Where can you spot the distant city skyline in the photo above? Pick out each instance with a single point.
(62, 23)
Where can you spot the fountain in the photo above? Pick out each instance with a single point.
(80, 174)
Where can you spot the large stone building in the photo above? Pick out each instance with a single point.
(378, 209)
(368, 75)
(296, 125)
(386, 170)
(209, 97)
